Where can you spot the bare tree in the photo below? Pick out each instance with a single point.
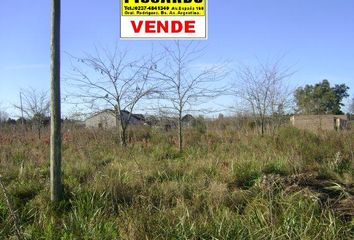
(55, 107)
(35, 106)
(262, 90)
(113, 79)
(351, 106)
(3, 114)
(186, 83)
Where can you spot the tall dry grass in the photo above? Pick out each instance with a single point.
(229, 183)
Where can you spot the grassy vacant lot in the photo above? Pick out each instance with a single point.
(226, 185)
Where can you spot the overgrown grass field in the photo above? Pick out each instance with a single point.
(227, 184)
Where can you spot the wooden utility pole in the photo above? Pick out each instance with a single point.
(55, 116)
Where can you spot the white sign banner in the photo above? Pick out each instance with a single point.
(154, 19)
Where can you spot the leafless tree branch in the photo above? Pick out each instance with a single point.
(113, 78)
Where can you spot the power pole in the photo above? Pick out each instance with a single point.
(22, 122)
(55, 116)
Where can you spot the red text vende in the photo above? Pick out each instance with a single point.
(168, 26)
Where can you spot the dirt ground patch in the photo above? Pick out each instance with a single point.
(329, 193)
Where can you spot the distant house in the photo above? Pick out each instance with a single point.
(169, 123)
(106, 119)
(188, 120)
(151, 120)
(164, 122)
(319, 122)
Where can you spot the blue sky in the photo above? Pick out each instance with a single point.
(316, 37)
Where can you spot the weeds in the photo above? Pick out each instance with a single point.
(225, 185)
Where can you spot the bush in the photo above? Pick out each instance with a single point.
(278, 167)
(246, 174)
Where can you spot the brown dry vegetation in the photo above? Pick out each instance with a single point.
(229, 183)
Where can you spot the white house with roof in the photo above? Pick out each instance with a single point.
(107, 119)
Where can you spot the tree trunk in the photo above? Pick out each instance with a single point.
(124, 135)
(55, 120)
(118, 127)
(121, 126)
(180, 133)
(122, 131)
(39, 132)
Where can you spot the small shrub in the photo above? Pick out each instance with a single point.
(246, 174)
(278, 167)
(199, 125)
(23, 192)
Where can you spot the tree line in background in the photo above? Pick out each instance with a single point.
(176, 83)
(174, 79)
